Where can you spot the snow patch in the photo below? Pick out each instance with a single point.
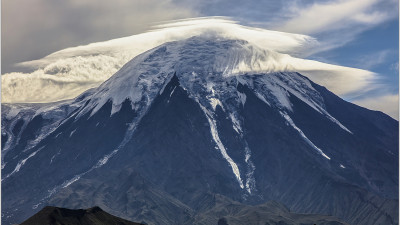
(236, 124)
(262, 99)
(172, 92)
(72, 132)
(69, 182)
(250, 181)
(214, 102)
(54, 156)
(21, 163)
(242, 97)
(105, 159)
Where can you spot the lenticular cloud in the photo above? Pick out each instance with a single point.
(67, 73)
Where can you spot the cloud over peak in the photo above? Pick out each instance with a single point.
(67, 73)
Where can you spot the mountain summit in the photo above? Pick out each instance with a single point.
(194, 119)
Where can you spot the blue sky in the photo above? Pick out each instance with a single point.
(355, 33)
(375, 49)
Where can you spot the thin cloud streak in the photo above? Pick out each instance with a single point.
(336, 23)
(335, 15)
(375, 59)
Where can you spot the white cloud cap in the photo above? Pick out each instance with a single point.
(67, 73)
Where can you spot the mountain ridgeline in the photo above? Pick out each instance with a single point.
(182, 134)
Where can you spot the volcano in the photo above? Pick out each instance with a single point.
(201, 129)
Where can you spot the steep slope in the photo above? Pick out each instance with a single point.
(192, 123)
(93, 216)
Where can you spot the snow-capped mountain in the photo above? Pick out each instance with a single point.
(192, 119)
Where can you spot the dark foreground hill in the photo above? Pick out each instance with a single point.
(56, 216)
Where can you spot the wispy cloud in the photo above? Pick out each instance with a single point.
(337, 22)
(333, 15)
(395, 67)
(370, 61)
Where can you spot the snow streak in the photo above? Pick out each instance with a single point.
(250, 181)
(291, 123)
(215, 135)
(20, 164)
